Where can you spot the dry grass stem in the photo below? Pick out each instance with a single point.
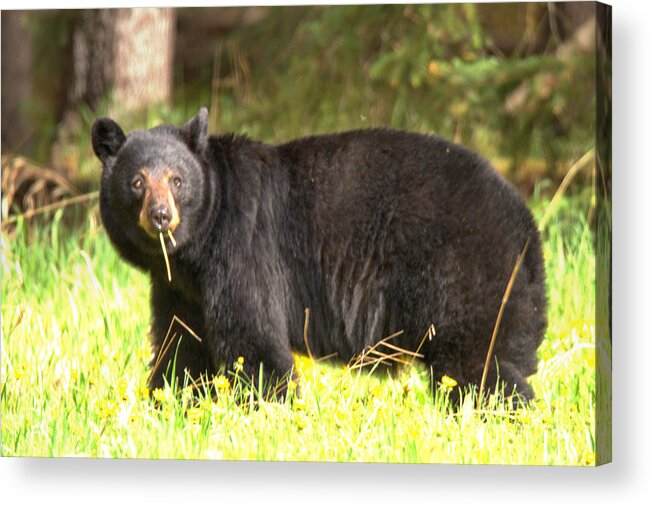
(161, 353)
(176, 319)
(51, 207)
(326, 357)
(165, 345)
(362, 362)
(169, 233)
(574, 170)
(505, 298)
(395, 357)
(167, 260)
(373, 356)
(402, 350)
(30, 187)
(305, 327)
(429, 335)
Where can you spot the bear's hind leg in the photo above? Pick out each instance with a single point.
(506, 378)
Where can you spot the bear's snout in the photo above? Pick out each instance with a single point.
(160, 217)
(159, 212)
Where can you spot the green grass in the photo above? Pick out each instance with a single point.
(75, 351)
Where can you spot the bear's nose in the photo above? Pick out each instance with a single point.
(160, 217)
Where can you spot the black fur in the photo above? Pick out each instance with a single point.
(376, 231)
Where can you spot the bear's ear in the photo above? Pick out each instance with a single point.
(107, 138)
(195, 131)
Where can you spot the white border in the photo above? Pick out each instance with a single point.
(626, 481)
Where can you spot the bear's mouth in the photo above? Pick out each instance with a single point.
(154, 231)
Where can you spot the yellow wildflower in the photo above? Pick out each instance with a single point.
(167, 412)
(145, 354)
(194, 415)
(448, 382)
(301, 421)
(106, 408)
(408, 385)
(19, 372)
(299, 404)
(376, 391)
(221, 383)
(186, 395)
(123, 387)
(340, 415)
(303, 364)
(590, 459)
(524, 416)
(158, 394)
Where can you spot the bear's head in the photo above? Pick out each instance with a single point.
(153, 182)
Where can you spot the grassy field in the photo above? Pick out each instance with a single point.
(74, 369)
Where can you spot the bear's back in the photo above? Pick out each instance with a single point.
(425, 226)
(354, 181)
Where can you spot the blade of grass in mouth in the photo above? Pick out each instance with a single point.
(167, 260)
(169, 233)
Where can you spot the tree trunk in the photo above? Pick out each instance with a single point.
(16, 81)
(125, 55)
(143, 45)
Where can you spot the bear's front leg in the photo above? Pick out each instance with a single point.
(259, 346)
(180, 355)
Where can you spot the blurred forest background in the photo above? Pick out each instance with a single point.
(515, 82)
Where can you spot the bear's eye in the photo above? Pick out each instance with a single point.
(136, 184)
(176, 181)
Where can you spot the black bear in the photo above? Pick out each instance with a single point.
(375, 231)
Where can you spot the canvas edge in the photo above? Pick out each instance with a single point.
(603, 239)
